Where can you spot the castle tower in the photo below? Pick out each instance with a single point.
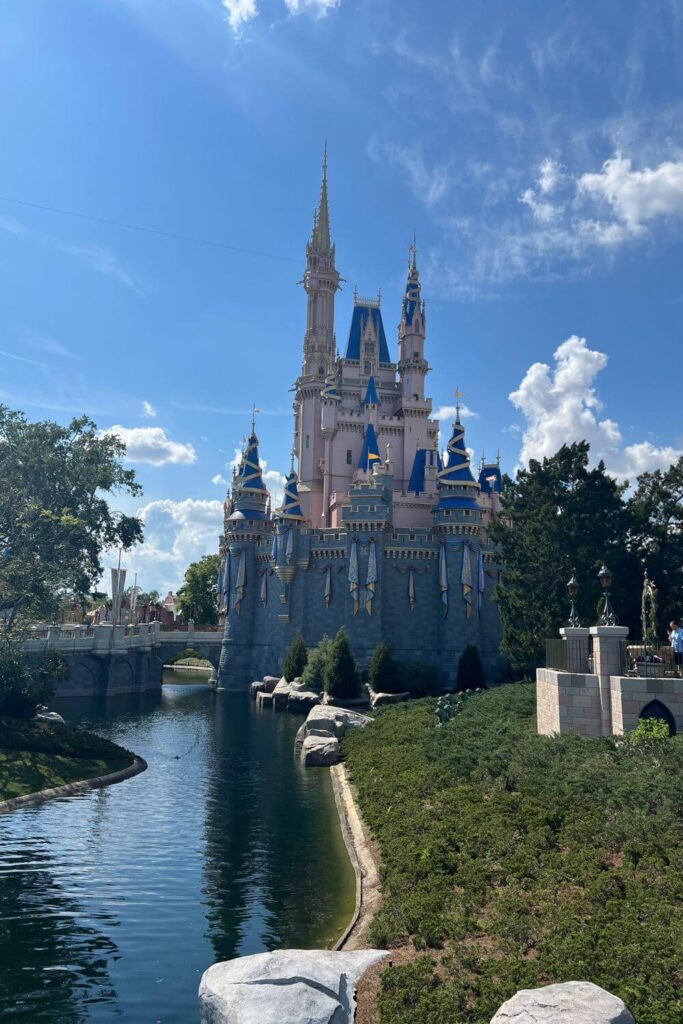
(412, 365)
(321, 281)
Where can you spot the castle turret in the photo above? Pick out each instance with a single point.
(412, 365)
(291, 506)
(457, 510)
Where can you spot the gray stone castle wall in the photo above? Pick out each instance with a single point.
(257, 637)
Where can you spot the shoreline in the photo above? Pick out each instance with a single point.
(363, 859)
(74, 788)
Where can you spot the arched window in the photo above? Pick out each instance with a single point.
(655, 709)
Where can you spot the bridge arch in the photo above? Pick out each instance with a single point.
(656, 709)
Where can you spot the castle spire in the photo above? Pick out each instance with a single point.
(320, 239)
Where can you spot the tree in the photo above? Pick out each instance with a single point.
(23, 688)
(295, 659)
(470, 669)
(313, 676)
(383, 673)
(197, 598)
(656, 509)
(55, 519)
(341, 675)
(558, 515)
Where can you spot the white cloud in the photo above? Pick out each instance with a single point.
(152, 445)
(447, 412)
(240, 12)
(317, 7)
(103, 261)
(176, 533)
(275, 482)
(428, 184)
(148, 410)
(637, 197)
(560, 405)
(219, 479)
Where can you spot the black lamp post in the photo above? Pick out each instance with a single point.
(607, 617)
(573, 589)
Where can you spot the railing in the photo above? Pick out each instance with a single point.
(566, 657)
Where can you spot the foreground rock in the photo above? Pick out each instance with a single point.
(290, 986)
(317, 741)
(265, 685)
(574, 1002)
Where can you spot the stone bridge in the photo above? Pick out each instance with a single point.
(105, 660)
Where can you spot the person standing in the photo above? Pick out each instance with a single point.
(676, 640)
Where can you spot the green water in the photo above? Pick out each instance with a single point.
(112, 904)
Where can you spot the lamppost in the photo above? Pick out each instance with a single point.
(573, 589)
(607, 616)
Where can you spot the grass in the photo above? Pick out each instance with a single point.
(37, 755)
(512, 860)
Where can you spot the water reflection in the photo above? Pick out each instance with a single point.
(112, 904)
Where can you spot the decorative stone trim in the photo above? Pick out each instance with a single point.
(74, 788)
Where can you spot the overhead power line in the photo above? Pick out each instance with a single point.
(149, 231)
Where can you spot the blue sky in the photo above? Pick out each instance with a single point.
(535, 148)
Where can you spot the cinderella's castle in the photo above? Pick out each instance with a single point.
(376, 532)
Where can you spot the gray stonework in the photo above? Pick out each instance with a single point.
(256, 639)
(572, 1002)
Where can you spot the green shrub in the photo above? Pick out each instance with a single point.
(295, 659)
(518, 860)
(648, 730)
(470, 670)
(23, 688)
(340, 675)
(188, 652)
(419, 678)
(384, 675)
(313, 675)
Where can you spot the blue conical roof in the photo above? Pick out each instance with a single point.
(371, 393)
(291, 507)
(457, 466)
(249, 476)
(412, 297)
(370, 453)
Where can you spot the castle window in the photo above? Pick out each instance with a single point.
(416, 397)
(308, 438)
(349, 457)
(415, 355)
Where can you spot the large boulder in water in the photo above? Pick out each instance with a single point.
(320, 751)
(573, 1002)
(289, 986)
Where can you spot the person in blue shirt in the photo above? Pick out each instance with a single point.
(676, 640)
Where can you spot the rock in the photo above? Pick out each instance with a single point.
(280, 699)
(379, 699)
(270, 683)
(335, 720)
(302, 700)
(320, 751)
(573, 1002)
(289, 986)
(264, 700)
(256, 688)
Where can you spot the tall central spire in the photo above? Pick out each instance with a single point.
(321, 224)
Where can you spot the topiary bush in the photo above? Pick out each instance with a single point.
(384, 675)
(470, 670)
(340, 675)
(295, 659)
(419, 678)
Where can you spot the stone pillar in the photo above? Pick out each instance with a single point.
(102, 638)
(607, 662)
(577, 641)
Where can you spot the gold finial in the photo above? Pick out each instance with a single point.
(291, 466)
(498, 458)
(325, 161)
(458, 395)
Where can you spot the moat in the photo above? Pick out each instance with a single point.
(114, 903)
